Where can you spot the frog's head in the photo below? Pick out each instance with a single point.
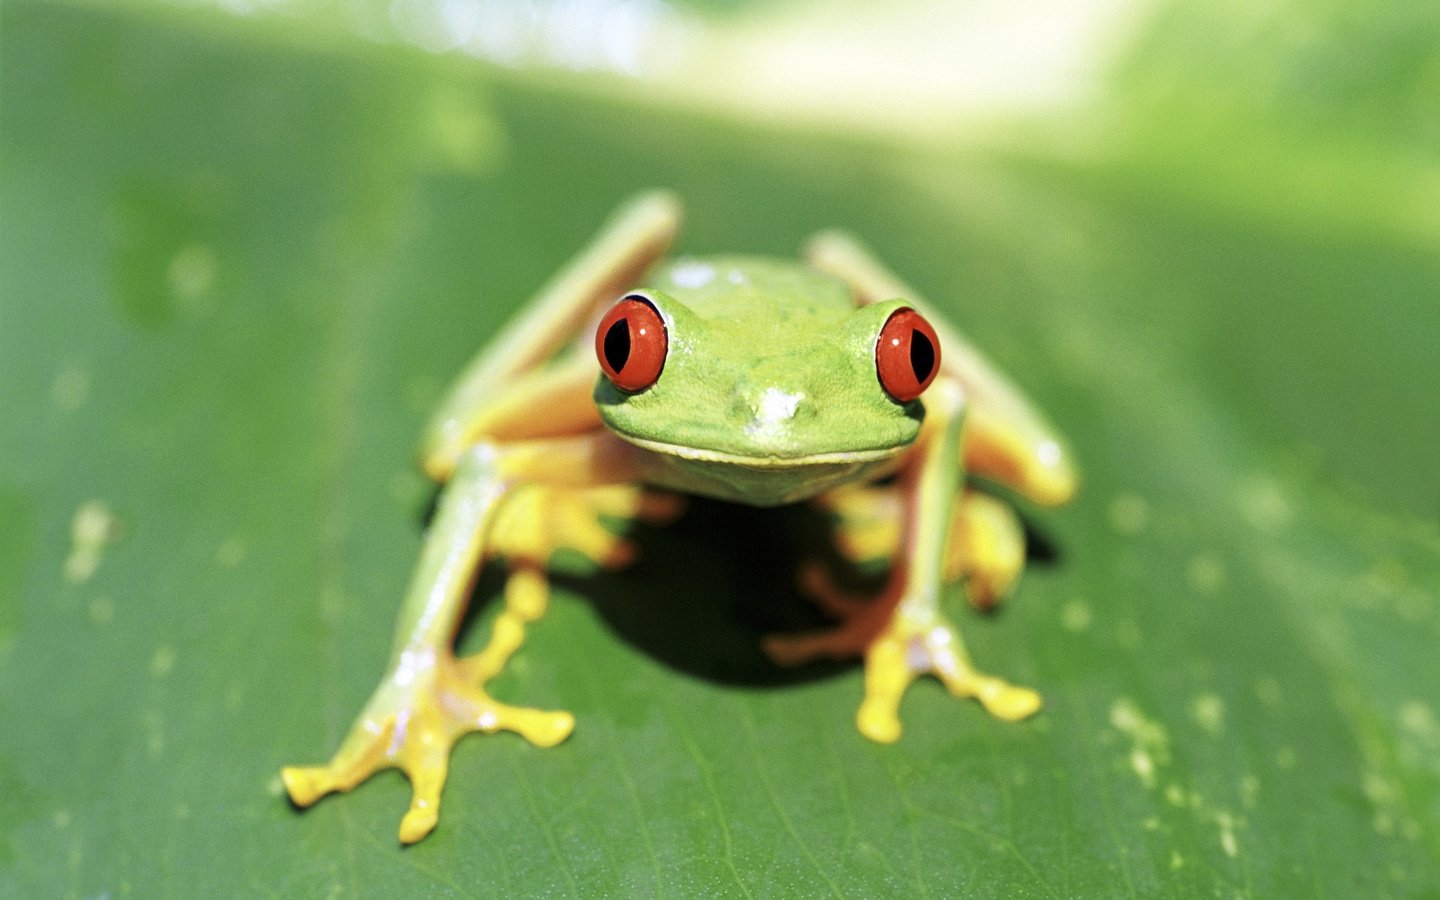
(774, 399)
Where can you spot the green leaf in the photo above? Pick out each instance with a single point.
(241, 259)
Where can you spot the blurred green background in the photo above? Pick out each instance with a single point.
(245, 245)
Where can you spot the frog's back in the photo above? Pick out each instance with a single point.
(754, 289)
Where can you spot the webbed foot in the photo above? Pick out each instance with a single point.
(411, 723)
(427, 702)
(898, 645)
(908, 649)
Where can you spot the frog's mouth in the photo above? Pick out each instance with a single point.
(696, 454)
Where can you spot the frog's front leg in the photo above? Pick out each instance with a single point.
(428, 699)
(903, 633)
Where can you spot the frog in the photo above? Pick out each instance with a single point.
(633, 380)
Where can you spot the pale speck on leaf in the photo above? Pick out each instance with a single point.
(1268, 691)
(1208, 711)
(1075, 616)
(93, 527)
(1205, 573)
(191, 274)
(1150, 743)
(1249, 791)
(1228, 843)
(1265, 506)
(1129, 513)
(71, 388)
(1174, 794)
(162, 662)
(101, 611)
(1419, 720)
(1143, 766)
(231, 552)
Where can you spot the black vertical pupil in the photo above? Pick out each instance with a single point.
(922, 354)
(617, 345)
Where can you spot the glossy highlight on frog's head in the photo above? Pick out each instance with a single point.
(755, 363)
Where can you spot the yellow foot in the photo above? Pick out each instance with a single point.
(418, 713)
(908, 649)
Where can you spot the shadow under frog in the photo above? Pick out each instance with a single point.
(703, 606)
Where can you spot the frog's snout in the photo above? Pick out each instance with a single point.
(768, 413)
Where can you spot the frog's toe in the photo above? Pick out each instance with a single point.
(306, 784)
(578, 529)
(1007, 701)
(359, 757)
(815, 582)
(886, 678)
(654, 507)
(427, 779)
(543, 728)
(659, 507)
(844, 641)
(867, 521)
(575, 520)
(879, 720)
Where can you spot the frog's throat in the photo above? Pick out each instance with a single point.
(764, 462)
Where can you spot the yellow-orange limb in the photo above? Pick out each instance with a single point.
(904, 635)
(637, 236)
(867, 521)
(428, 699)
(815, 582)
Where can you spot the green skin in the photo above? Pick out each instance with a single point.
(769, 393)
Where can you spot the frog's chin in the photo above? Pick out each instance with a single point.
(764, 461)
(759, 480)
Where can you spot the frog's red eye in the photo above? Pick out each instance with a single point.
(631, 344)
(907, 355)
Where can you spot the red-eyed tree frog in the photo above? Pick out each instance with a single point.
(758, 381)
